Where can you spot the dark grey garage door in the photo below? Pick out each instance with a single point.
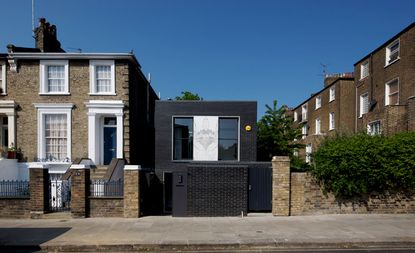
(260, 189)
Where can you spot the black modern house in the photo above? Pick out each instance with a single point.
(205, 158)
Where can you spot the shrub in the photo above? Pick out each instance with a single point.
(360, 164)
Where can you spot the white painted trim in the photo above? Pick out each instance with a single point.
(92, 77)
(132, 167)
(43, 76)
(35, 165)
(45, 109)
(79, 167)
(58, 56)
(97, 109)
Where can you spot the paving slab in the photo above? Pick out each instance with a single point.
(166, 233)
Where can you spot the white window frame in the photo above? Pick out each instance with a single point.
(318, 126)
(295, 116)
(92, 77)
(364, 70)
(388, 52)
(371, 124)
(47, 109)
(318, 102)
(304, 110)
(308, 152)
(3, 79)
(387, 90)
(331, 121)
(304, 131)
(332, 93)
(43, 76)
(363, 110)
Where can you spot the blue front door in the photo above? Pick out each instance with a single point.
(110, 144)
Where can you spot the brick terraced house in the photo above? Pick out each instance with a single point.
(385, 86)
(328, 111)
(379, 98)
(57, 106)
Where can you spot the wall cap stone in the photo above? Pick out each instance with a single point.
(280, 158)
(132, 167)
(79, 167)
(36, 165)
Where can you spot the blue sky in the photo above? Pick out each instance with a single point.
(221, 49)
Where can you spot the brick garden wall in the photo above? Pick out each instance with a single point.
(106, 207)
(14, 208)
(307, 198)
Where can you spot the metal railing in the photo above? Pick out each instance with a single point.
(14, 188)
(104, 188)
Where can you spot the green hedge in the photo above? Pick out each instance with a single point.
(360, 164)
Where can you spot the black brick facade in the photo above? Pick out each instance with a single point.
(220, 190)
(166, 110)
(215, 188)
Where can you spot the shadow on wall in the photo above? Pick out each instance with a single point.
(27, 239)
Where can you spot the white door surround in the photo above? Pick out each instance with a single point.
(97, 110)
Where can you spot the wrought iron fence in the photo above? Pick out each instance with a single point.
(14, 188)
(104, 188)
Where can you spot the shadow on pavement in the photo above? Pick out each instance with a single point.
(27, 239)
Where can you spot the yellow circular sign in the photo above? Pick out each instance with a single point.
(248, 128)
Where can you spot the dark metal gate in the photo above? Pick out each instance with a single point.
(59, 194)
(260, 189)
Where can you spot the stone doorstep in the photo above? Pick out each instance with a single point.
(221, 246)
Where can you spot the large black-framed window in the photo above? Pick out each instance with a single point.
(228, 139)
(183, 138)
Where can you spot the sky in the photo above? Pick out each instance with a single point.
(261, 50)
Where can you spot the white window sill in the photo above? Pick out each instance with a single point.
(363, 78)
(332, 129)
(55, 94)
(3, 94)
(331, 100)
(317, 108)
(103, 94)
(390, 63)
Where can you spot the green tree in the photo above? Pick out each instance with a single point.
(276, 134)
(187, 95)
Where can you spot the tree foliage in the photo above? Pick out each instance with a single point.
(360, 164)
(187, 95)
(276, 133)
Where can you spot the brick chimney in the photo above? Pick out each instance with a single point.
(45, 37)
(330, 78)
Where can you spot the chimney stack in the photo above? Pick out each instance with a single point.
(46, 38)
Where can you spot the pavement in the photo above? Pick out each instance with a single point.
(256, 232)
